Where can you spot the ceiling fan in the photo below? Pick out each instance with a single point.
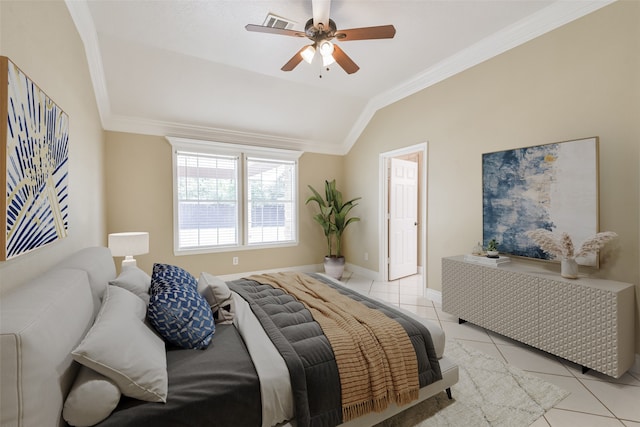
(321, 31)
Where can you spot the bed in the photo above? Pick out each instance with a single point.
(259, 369)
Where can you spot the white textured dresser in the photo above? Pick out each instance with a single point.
(587, 321)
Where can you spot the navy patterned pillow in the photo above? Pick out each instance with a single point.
(166, 276)
(176, 309)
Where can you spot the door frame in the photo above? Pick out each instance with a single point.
(383, 197)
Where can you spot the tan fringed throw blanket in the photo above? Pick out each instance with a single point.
(375, 358)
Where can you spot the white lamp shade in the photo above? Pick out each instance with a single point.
(128, 244)
(308, 54)
(327, 60)
(326, 50)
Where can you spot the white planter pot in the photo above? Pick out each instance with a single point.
(334, 266)
(492, 254)
(569, 268)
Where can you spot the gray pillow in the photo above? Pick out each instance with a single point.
(134, 280)
(218, 296)
(122, 347)
(92, 399)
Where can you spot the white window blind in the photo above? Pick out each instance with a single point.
(271, 209)
(208, 200)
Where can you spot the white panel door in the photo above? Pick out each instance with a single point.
(403, 219)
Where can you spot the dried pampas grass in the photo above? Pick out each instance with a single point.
(546, 240)
(562, 246)
(594, 243)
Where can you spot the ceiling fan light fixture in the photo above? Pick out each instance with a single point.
(327, 60)
(326, 50)
(308, 53)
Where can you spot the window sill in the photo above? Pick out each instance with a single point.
(238, 248)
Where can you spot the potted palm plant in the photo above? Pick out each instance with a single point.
(333, 218)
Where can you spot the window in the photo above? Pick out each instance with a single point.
(271, 201)
(229, 197)
(207, 200)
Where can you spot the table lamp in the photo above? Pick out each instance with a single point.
(129, 244)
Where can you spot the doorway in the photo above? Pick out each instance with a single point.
(403, 236)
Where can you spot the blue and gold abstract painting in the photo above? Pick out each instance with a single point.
(552, 186)
(35, 158)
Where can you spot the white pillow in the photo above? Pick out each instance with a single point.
(92, 399)
(134, 280)
(218, 296)
(122, 347)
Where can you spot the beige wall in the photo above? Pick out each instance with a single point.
(41, 39)
(578, 81)
(140, 192)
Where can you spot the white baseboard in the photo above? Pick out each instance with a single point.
(364, 272)
(300, 268)
(431, 294)
(319, 268)
(369, 274)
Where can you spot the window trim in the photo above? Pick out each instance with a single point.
(242, 152)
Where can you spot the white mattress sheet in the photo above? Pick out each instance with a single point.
(275, 384)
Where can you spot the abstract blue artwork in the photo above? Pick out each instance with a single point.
(35, 157)
(552, 186)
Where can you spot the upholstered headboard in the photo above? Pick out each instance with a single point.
(41, 322)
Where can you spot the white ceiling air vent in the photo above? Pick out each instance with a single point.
(276, 21)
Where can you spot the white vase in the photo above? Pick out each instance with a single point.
(569, 268)
(334, 266)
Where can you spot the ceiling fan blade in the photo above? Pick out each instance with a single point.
(294, 61)
(271, 30)
(344, 61)
(320, 12)
(367, 33)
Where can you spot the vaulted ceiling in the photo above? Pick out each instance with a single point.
(190, 68)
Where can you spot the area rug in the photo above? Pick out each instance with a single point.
(488, 393)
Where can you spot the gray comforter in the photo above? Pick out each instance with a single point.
(308, 354)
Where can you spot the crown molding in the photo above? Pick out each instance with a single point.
(79, 11)
(119, 123)
(551, 17)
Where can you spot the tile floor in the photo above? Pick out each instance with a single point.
(595, 400)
